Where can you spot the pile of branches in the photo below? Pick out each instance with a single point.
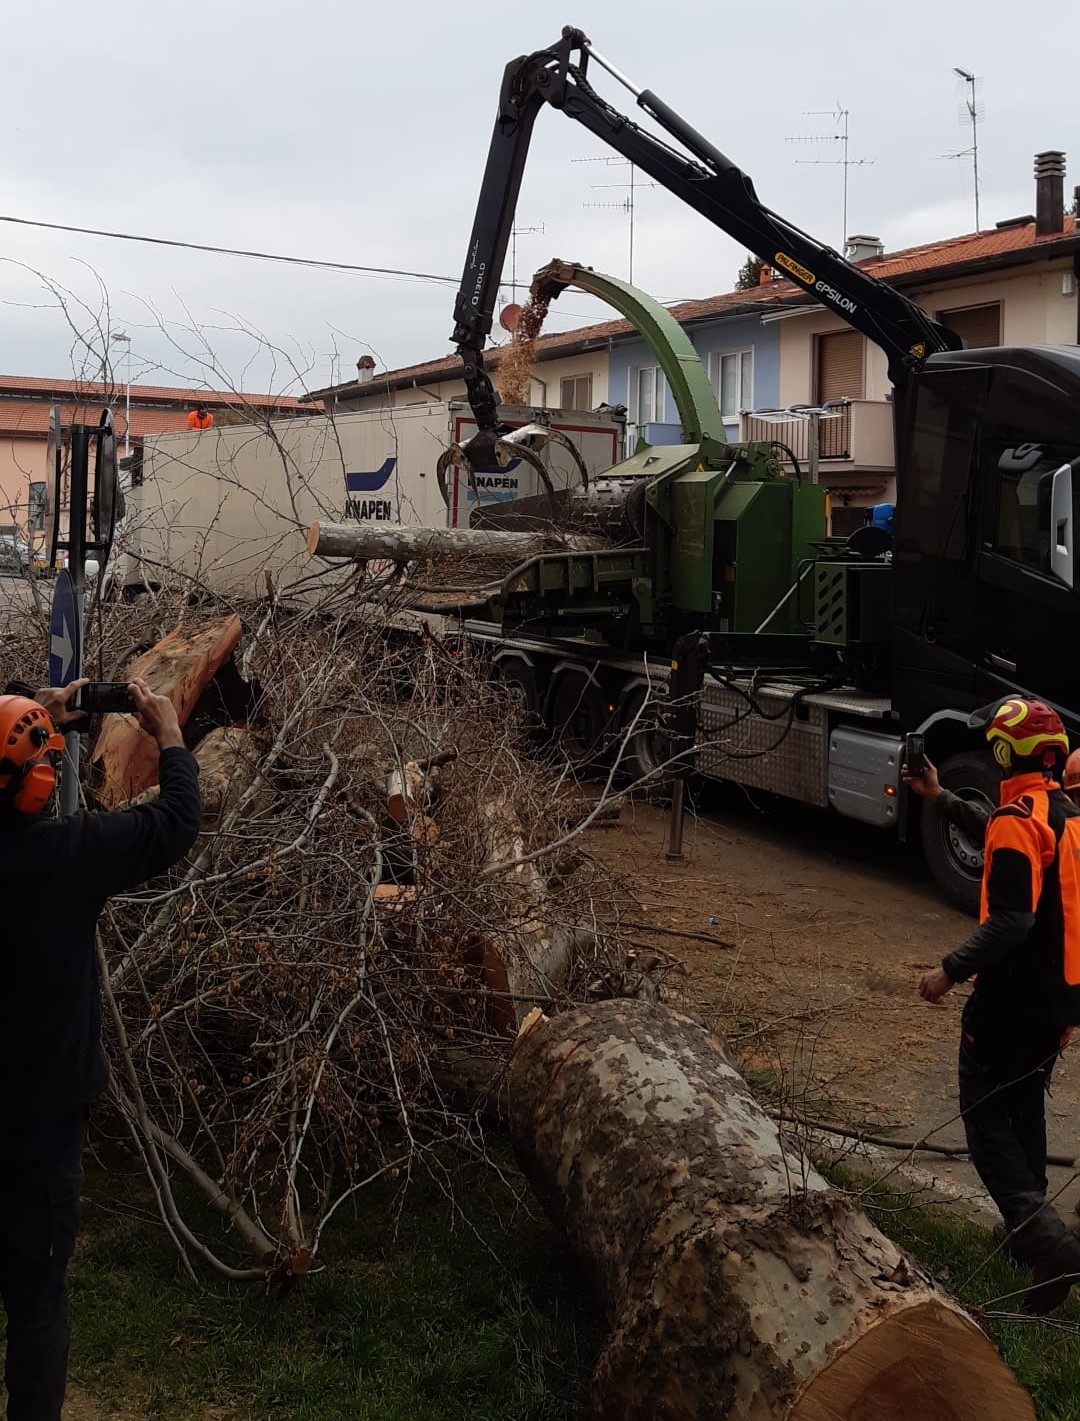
(291, 1014)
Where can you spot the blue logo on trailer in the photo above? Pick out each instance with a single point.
(372, 482)
(65, 633)
(492, 495)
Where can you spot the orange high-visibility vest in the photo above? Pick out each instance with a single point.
(195, 420)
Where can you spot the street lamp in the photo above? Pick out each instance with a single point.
(122, 338)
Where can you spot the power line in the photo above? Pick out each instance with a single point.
(389, 272)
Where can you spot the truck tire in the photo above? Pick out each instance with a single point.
(646, 749)
(954, 861)
(577, 716)
(516, 676)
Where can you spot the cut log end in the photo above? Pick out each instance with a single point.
(925, 1363)
(313, 538)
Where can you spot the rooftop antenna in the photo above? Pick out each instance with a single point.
(840, 116)
(626, 205)
(515, 233)
(971, 110)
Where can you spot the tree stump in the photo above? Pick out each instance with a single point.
(738, 1283)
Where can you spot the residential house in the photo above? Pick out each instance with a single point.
(1013, 285)
(24, 426)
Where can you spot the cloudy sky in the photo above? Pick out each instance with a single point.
(356, 132)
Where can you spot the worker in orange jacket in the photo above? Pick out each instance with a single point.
(1070, 780)
(1026, 952)
(200, 418)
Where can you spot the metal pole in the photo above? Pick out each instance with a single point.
(975, 149)
(80, 460)
(815, 444)
(675, 822)
(630, 278)
(127, 405)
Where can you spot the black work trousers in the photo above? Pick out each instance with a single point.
(40, 1181)
(1005, 1124)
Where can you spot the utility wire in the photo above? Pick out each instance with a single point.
(393, 273)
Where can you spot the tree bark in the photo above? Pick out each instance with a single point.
(180, 666)
(737, 1282)
(394, 543)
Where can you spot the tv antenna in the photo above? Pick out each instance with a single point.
(626, 205)
(840, 116)
(515, 233)
(971, 110)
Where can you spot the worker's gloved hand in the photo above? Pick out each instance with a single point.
(156, 714)
(57, 701)
(927, 785)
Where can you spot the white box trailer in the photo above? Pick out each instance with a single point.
(221, 505)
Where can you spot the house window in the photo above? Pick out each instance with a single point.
(977, 326)
(732, 375)
(576, 393)
(37, 508)
(839, 366)
(647, 395)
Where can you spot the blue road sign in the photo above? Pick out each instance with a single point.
(65, 633)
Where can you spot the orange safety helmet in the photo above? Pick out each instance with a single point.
(28, 742)
(1021, 729)
(1071, 778)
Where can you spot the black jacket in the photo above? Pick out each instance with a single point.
(1020, 1009)
(55, 876)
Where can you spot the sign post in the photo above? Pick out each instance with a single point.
(65, 650)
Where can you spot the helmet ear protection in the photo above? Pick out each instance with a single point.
(29, 742)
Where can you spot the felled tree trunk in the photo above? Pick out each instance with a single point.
(180, 666)
(737, 1282)
(395, 543)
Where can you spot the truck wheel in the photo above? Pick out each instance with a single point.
(517, 678)
(578, 718)
(646, 749)
(953, 859)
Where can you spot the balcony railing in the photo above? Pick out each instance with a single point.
(834, 432)
(857, 432)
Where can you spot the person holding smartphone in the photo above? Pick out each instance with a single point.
(56, 875)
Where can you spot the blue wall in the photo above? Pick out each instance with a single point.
(740, 333)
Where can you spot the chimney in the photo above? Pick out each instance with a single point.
(365, 369)
(862, 248)
(1049, 193)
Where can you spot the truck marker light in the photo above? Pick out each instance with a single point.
(889, 790)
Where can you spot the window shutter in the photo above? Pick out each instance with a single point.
(977, 326)
(840, 366)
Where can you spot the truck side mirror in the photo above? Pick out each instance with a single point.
(1061, 525)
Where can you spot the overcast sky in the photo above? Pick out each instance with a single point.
(356, 132)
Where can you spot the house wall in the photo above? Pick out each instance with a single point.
(22, 461)
(544, 389)
(721, 336)
(1035, 311)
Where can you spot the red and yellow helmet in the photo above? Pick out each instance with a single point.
(29, 741)
(1071, 778)
(1021, 729)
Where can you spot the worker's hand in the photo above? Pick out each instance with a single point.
(927, 785)
(934, 984)
(57, 701)
(156, 714)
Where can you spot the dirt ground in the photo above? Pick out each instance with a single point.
(810, 970)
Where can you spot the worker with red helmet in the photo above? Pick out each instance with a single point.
(1070, 780)
(1025, 1000)
(56, 875)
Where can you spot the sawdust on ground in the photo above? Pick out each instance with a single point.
(810, 970)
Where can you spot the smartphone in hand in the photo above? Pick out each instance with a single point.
(914, 755)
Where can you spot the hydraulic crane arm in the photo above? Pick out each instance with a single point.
(706, 181)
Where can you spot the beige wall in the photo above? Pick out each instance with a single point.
(22, 461)
(1034, 312)
(544, 389)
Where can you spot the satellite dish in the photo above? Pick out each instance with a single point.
(509, 317)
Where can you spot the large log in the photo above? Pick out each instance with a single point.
(180, 666)
(737, 1282)
(395, 543)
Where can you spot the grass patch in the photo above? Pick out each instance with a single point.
(1044, 1354)
(413, 1318)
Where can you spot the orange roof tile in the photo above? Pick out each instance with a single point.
(95, 390)
(974, 247)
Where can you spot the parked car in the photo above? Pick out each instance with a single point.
(15, 555)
